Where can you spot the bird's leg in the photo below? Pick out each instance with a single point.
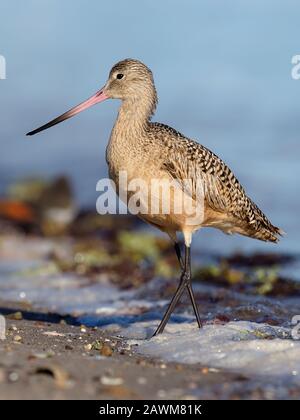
(178, 254)
(190, 288)
(177, 295)
(185, 281)
(189, 285)
(171, 307)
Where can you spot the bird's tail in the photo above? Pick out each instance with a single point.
(269, 234)
(264, 230)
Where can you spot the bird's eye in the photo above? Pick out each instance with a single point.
(120, 76)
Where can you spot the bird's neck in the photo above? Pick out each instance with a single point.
(130, 131)
(134, 115)
(131, 119)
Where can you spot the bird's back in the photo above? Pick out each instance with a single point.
(227, 205)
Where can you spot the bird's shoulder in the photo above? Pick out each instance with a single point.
(183, 152)
(187, 159)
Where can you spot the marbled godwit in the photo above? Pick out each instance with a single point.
(147, 150)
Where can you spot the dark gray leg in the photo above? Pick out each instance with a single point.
(191, 292)
(185, 282)
(178, 253)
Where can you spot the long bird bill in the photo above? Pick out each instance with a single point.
(98, 97)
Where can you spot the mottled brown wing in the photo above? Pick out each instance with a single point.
(187, 159)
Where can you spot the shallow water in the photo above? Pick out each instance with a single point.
(244, 347)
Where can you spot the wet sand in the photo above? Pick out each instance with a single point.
(40, 359)
(46, 360)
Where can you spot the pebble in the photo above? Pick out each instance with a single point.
(68, 347)
(38, 356)
(96, 345)
(13, 376)
(106, 350)
(17, 338)
(214, 370)
(141, 380)
(53, 334)
(189, 397)
(106, 380)
(88, 347)
(43, 355)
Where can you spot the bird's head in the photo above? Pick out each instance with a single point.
(129, 80)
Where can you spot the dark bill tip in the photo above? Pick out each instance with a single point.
(98, 97)
(49, 124)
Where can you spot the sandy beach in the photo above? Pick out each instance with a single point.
(46, 360)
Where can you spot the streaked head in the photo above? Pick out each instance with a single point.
(129, 80)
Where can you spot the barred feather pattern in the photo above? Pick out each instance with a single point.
(186, 159)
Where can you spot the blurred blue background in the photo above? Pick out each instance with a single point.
(223, 74)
